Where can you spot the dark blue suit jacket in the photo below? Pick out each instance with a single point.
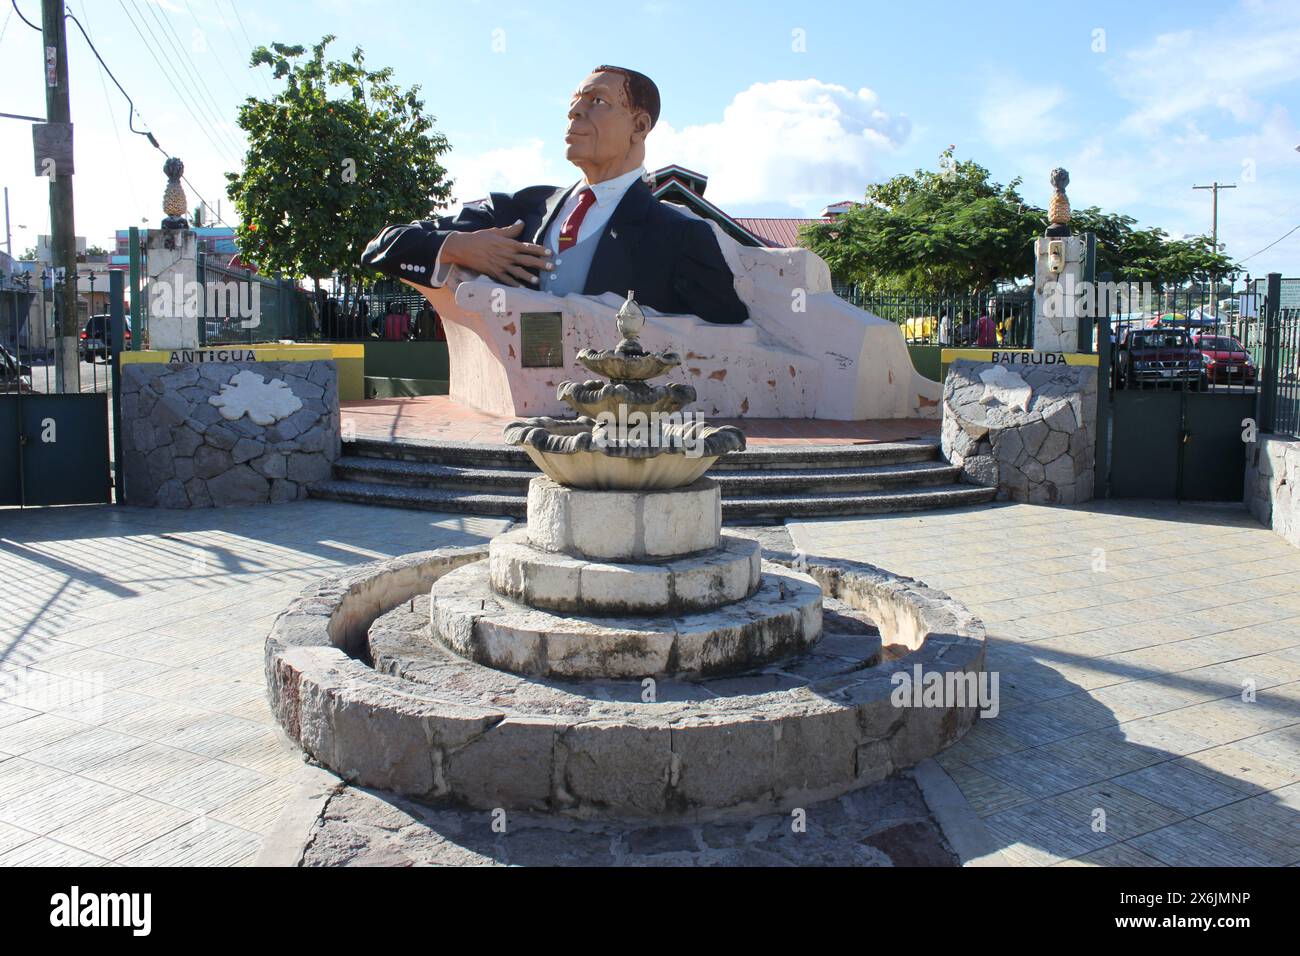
(670, 260)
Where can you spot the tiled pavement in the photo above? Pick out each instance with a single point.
(133, 720)
(1123, 635)
(134, 729)
(438, 417)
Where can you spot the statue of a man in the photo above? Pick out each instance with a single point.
(605, 233)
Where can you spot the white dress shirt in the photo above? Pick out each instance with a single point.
(608, 195)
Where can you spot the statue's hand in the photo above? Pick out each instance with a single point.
(497, 254)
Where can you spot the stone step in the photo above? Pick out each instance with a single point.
(854, 503)
(460, 501)
(780, 619)
(734, 483)
(421, 499)
(763, 457)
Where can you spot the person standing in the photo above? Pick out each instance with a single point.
(986, 331)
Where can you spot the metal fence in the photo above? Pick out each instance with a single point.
(241, 307)
(30, 347)
(1198, 337)
(1275, 338)
(946, 318)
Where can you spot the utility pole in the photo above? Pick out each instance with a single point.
(1215, 187)
(9, 247)
(58, 114)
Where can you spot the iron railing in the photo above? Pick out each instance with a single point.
(947, 318)
(242, 308)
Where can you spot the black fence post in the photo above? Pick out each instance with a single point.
(117, 340)
(1269, 373)
(1101, 456)
(1084, 323)
(201, 275)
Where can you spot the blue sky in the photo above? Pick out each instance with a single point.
(784, 106)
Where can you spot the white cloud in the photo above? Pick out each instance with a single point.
(507, 169)
(801, 142)
(1226, 68)
(1013, 113)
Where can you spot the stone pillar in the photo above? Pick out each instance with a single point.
(173, 281)
(1057, 294)
(1028, 430)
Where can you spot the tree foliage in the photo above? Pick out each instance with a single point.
(336, 155)
(955, 229)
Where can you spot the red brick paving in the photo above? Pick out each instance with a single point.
(438, 417)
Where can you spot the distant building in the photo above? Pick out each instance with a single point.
(686, 187)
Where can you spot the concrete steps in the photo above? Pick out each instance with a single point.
(769, 482)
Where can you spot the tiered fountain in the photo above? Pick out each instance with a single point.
(619, 654)
(635, 579)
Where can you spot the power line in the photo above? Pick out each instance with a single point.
(185, 101)
(121, 152)
(201, 86)
(240, 20)
(220, 60)
(1270, 245)
(130, 116)
(148, 135)
(214, 121)
(23, 18)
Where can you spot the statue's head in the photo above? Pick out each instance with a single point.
(610, 116)
(1060, 179)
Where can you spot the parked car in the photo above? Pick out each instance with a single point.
(1226, 360)
(14, 375)
(95, 338)
(1158, 355)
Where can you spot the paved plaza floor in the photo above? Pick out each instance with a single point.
(134, 727)
(1123, 635)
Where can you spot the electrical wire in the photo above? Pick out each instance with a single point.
(148, 135)
(130, 116)
(186, 102)
(1270, 245)
(199, 90)
(121, 152)
(23, 18)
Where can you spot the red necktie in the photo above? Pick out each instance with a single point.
(569, 230)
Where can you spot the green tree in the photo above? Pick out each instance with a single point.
(336, 155)
(957, 230)
(953, 229)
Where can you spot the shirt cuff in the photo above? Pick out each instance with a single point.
(441, 272)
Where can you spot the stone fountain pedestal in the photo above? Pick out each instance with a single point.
(620, 655)
(624, 585)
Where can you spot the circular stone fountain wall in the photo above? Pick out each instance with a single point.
(356, 680)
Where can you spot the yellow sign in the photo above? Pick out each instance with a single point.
(1018, 357)
(234, 353)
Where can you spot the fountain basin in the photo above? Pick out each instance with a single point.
(428, 724)
(582, 453)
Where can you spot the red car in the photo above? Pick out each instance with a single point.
(1226, 361)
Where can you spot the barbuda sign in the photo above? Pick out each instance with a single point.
(1017, 357)
(191, 356)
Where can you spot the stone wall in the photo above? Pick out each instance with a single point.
(215, 434)
(1272, 479)
(1027, 430)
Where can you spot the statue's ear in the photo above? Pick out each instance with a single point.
(641, 124)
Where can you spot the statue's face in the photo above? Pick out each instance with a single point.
(602, 128)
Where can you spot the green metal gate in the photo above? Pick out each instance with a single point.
(57, 449)
(54, 444)
(1182, 392)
